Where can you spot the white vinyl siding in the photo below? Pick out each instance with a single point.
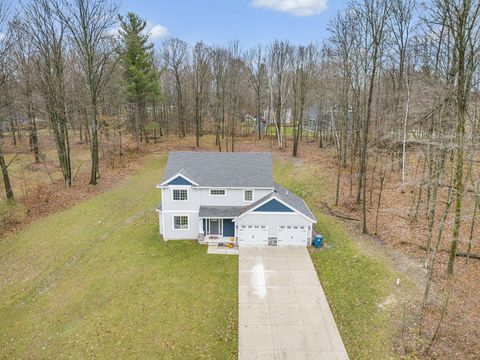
(248, 195)
(218, 192)
(233, 197)
(180, 222)
(180, 194)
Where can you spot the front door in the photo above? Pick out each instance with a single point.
(215, 226)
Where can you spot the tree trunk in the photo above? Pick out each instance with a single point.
(13, 131)
(6, 178)
(94, 174)
(33, 130)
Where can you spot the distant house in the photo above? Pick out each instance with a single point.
(286, 116)
(318, 118)
(230, 197)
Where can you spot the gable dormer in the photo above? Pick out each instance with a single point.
(179, 179)
(273, 205)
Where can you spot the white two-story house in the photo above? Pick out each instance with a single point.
(230, 197)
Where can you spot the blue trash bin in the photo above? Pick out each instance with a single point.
(318, 241)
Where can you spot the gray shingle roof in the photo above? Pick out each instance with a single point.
(241, 169)
(293, 200)
(220, 211)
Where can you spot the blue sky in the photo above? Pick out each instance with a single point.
(250, 21)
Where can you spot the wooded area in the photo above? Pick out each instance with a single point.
(392, 95)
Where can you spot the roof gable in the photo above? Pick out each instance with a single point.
(283, 197)
(179, 180)
(273, 206)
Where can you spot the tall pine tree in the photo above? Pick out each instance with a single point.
(140, 75)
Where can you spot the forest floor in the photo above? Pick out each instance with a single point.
(376, 317)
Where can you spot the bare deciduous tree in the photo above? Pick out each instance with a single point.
(201, 67)
(175, 55)
(47, 36)
(255, 61)
(89, 23)
(279, 62)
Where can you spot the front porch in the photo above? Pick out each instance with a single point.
(216, 231)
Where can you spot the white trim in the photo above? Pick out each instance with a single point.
(274, 212)
(253, 196)
(165, 183)
(163, 217)
(188, 222)
(180, 188)
(236, 187)
(314, 218)
(181, 211)
(224, 192)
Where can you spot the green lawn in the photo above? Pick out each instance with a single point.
(355, 283)
(95, 281)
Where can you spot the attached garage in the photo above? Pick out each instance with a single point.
(252, 235)
(281, 219)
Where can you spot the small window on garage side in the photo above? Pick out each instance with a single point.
(180, 222)
(248, 195)
(217, 192)
(180, 194)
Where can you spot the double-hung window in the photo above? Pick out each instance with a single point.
(248, 195)
(180, 222)
(180, 195)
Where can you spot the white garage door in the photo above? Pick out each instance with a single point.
(292, 235)
(252, 235)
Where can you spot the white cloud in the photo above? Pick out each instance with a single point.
(293, 7)
(156, 31)
(115, 31)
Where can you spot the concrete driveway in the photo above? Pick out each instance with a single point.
(283, 312)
